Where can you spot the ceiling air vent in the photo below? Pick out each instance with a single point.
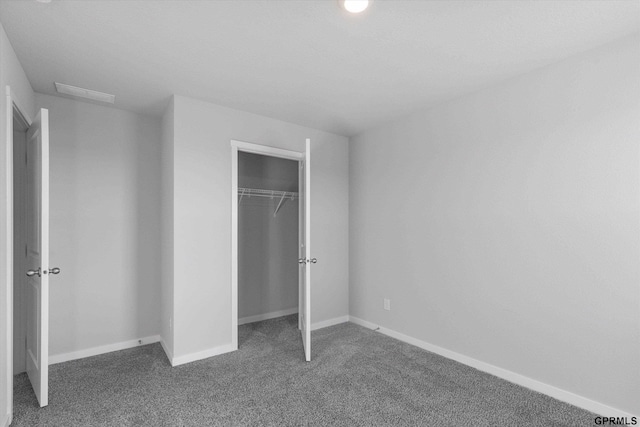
(85, 93)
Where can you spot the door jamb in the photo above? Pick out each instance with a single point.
(15, 109)
(246, 147)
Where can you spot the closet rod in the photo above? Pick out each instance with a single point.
(250, 192)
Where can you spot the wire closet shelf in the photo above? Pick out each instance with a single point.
(271, 194)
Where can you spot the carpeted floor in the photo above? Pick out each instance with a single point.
(357, 378)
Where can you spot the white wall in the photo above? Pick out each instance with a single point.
(202, 221)
(504, 225)
(267, 245)
(166, 314)
(12, 74)
(105, 225)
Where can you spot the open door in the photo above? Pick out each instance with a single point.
(37, 253)
(305, 259)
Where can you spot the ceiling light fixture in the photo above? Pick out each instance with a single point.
(85, 93)
(354, 6)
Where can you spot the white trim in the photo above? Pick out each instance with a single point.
(26, 118)
(329, 322)
(234, 245)
(204, 354)
(266, 150)
(167, 352)
(8, 309)
(7, 420)
(94, 351)
(364, 323)
(530, 383)
(267, 316)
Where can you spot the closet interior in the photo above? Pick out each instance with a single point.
(267, 237)
(19, 243)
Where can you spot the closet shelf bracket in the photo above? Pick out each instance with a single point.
(279, 204)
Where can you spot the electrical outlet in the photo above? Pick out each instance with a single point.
(387, 304)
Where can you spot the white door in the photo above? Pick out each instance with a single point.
(305, 259)
(37, 230)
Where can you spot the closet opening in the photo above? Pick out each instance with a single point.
(20, 128)
(267, 242)
(270, 246)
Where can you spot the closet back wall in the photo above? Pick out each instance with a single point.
(267, 245)
(105, 225)
(19, 242)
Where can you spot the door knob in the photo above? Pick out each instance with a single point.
(31, 273)
(54, 270)
(302, 261)
(313, 260)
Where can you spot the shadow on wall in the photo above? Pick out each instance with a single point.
(148, 169)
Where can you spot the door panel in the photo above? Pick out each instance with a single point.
(37, 233)
(304, 319)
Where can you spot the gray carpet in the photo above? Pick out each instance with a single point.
(357, 378)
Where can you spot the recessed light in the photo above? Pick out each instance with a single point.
(354, 6)
(43, 1)
(85, 93)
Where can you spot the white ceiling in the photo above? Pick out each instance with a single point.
(306, 62)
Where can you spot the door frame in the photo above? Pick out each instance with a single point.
(264, 150)
(15, 109)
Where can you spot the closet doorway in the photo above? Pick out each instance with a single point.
(270, 243)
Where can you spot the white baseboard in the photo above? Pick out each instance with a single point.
(329, 322)
(549, 390)
(94, 351)
(267, 316)
(204, 354)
